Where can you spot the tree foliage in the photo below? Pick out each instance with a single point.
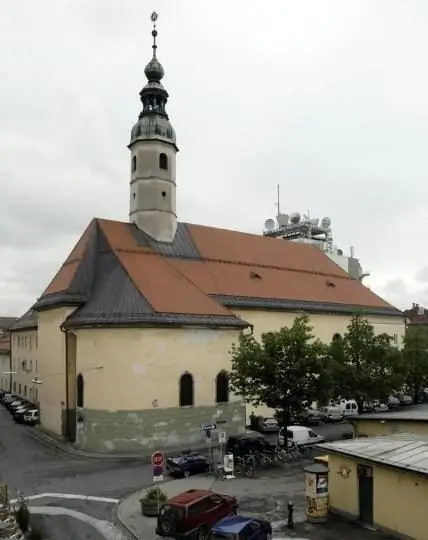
(366, 366)
(285, 370)
(415, 354)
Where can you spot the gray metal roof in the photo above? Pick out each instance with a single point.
(27, 322)
(182, 246)
(418, 413)
(7, 322)
(402, 451)
(245, 302)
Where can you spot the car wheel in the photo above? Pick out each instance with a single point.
(186, 474)
(167, 526)
(203, 532)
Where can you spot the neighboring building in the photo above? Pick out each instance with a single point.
(24, 347)
(5, 366)
(315, 232)
(389, 423)
(416, 316)
(381, 482)
(136, 328)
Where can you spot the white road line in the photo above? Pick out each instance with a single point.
(107, 529)
(68, 496)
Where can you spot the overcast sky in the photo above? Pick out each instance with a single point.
(327, 98)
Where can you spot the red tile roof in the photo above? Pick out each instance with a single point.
(205, 265)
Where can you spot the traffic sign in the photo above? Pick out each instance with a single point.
(157, 459)
(208, 427)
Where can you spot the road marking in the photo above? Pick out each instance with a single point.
(107, 529)
(67, 496)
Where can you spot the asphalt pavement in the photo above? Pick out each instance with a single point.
(72, 496)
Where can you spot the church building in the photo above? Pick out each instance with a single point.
(132, 337)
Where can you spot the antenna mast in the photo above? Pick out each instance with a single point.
(277, 198)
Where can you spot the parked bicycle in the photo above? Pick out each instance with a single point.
(244, 466)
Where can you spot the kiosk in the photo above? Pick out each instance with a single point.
(316, 493)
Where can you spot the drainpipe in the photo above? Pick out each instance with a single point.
(10, 363)
(67, 422)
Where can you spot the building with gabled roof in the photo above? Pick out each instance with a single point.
(135, 329)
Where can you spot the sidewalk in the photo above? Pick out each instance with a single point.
(263, 497)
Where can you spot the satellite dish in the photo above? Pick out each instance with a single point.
(283, 219)
(325, 223)
(295, 218)
(269, 224)
(314, 221)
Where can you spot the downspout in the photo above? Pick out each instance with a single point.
(67, 422)
(10, 362)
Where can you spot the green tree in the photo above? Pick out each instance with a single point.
(366, 366)
(285, 370)
(415, 355)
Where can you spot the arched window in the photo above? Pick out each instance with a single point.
(222, 387)
(134, 163)
(186, 390)
(80, 390)
(163, 162)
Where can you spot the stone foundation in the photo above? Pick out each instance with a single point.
(145, 431)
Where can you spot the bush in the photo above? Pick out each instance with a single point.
(22, 517)
(154, 494)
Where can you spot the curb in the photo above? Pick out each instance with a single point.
(122, 525)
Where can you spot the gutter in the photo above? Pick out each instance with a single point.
(67, 426)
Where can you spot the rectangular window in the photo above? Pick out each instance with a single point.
(31, 366)
(37, 366)
(37, 341)
(19, 389)
(14, 386)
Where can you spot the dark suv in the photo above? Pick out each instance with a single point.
(248, 443)
(193, 513)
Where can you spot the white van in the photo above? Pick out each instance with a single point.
(348, 407)
(300, 435)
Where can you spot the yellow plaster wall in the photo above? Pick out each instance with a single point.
(140, 366)
(400, 502)
(373, 428)
(51, 356)
(343, 492)
(24, 344)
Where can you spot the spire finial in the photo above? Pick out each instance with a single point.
(154, 18)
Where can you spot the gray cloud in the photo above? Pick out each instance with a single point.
(331, 104)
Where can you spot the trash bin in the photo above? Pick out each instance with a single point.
(316, 493)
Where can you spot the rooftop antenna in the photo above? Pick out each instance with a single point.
(277, 199)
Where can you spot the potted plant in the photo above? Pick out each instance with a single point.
(152, 501)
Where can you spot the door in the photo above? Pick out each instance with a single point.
(365, 494)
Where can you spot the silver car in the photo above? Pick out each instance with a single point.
(331, 414)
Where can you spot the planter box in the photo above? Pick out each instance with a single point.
(150, 508)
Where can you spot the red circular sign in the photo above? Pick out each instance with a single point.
(157, 459)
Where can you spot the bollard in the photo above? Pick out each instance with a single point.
(290, 523)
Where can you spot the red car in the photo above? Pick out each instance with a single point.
(192, 514)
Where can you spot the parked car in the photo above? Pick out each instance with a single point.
(368, 407)
(19, 413)
(193, 513)
(8, 398)
(405, 399)
(331, 414)
(267, 425)
(187, 463)
(393, 402)
(13, 404)
(32, 417)
(299, 435)
(241, 528)
(308, 417)
(246, 443)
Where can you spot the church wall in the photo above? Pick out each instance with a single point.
(132, 402)
(51, 368)
(131, 376)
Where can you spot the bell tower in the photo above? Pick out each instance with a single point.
(153, 153)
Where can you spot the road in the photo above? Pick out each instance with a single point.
(74, 497)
